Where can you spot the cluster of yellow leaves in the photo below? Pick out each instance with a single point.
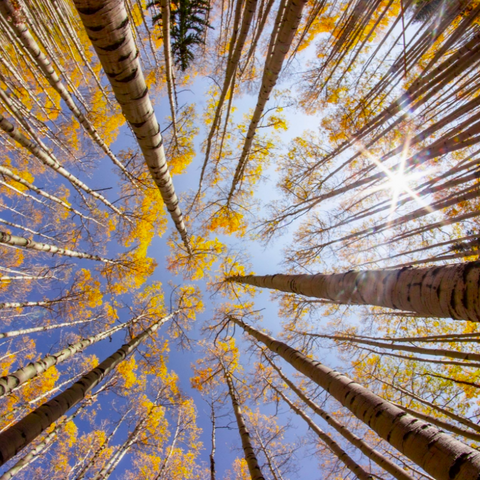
(228, 221)
(90, 288)
(126, 370)
(223, 355)
(181, 154)
(193, 267)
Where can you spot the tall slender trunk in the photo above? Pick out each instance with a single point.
(237, 43)
(335, 448)
(22, 433)
(10, 13)
(212, 443)
(16, 333)
(167, 51)
(14, 380)
(437, 453)
(449, 291)
(249, 452)
(279, 47)
(107, 26)
(163, 469)
(16, 241)
(367, 450)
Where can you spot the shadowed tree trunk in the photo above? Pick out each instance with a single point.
(449, 291)
(250, 457)
(437, 453)
(17, 437)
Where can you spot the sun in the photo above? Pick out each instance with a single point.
(399, 181)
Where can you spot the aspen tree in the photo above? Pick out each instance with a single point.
(44, 328)
(366, 449)
(14, 380)
(448, 292)
(248, 449)
(110, 33)
(8, 11)
(16, 241)
(437, 453)
(22, 433)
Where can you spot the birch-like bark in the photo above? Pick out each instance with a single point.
(212, 443)
(8, 173)
(449, 291)
(367, 450)
(41, 303)
(107, 26)
(14, 380)
(8, 11)
(440, 455)
(440, 352)
(28, 230)
(249, 452)
(163, 468)
(16, 241)
(25, 331)
(22, 433)
(50, 161)
(334, 447)
(41, 447)
(167, 52)
(274, 62)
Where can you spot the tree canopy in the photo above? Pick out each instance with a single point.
(164, 164)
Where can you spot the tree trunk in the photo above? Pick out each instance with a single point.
(16, 241)
(335, 448)
(12, 381)
(22, 433)
(449, 291)
(437, 453)
(41, 448)
(279, 47)
(167, 51)
(249, 452)
(366, 449)
(16, 333)
(107, 26)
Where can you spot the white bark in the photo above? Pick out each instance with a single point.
(449, 291)
(26, 430)
(107, 25)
